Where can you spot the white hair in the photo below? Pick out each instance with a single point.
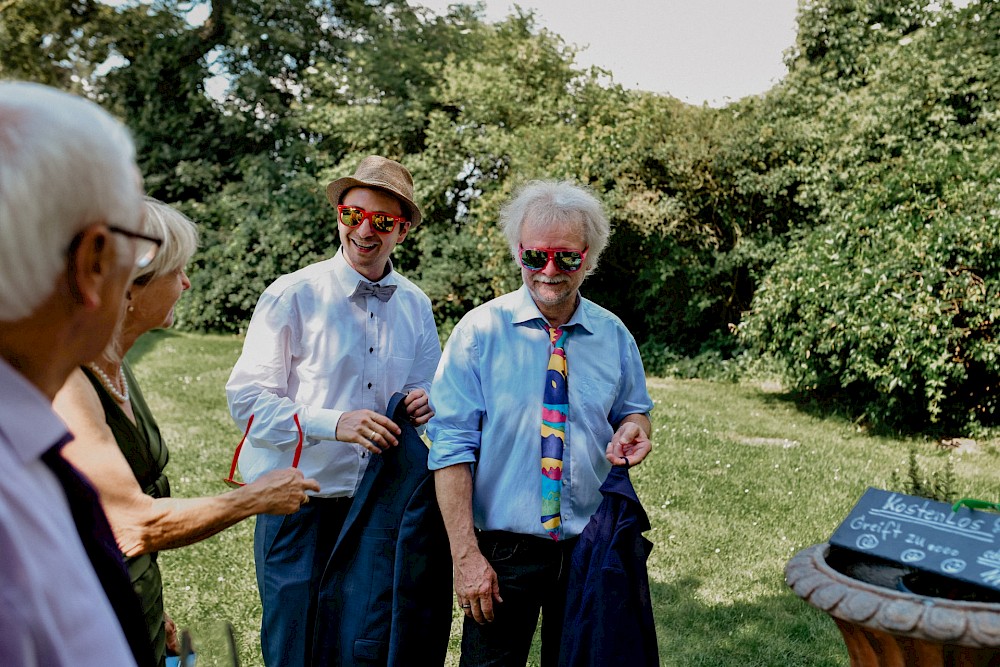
(65, 164)
(552, 203)
(179, 236)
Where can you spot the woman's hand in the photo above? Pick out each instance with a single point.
(281, 491)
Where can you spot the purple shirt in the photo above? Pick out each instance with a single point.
(53, 610)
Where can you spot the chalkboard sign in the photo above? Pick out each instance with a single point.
(925, 535)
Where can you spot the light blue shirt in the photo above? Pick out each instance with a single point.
(487, 397)
(313, 351)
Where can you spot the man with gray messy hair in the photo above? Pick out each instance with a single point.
(539, 393)
(71, 232)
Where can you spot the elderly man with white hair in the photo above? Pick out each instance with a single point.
(539, 393)
(71, 232)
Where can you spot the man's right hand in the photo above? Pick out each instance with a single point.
(369, 429)
(282, 491)
(476, 586)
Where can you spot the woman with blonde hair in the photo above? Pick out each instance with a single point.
(118, 445)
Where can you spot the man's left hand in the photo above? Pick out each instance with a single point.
(629, 446)
(418, 407)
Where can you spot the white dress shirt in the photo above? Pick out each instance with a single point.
(53, 610)
(314, 351)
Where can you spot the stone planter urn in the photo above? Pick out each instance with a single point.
(893, 616)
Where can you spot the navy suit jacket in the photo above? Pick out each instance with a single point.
(385, 597)
(609, 613)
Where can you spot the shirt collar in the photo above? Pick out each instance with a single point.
(348, 277)
(27, 420)
(525, 310)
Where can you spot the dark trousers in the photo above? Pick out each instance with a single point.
(532, 573)
(290, 553)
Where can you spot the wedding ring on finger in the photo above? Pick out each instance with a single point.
(372, 436)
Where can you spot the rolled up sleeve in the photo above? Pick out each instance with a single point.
(455, 430)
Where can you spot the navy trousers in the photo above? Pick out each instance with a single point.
(290, 553)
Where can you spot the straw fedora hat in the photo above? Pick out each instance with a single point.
(381, 174)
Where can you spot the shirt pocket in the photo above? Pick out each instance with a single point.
(397, 371)
(594, 399)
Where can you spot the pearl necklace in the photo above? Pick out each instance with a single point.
(120, 396)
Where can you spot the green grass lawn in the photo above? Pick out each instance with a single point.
(739, 480)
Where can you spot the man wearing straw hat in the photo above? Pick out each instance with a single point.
(326, 349)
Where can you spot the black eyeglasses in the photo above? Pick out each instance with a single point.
(143, 255)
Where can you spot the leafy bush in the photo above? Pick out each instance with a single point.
(899, 308)
(892, 302)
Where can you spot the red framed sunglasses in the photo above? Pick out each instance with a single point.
(564, 259)
(353, 216)
(236, 455)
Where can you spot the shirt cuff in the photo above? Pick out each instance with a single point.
(321, 423)
(442, 455)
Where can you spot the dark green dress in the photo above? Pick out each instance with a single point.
(147, 455)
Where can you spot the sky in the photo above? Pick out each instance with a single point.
(699, 51)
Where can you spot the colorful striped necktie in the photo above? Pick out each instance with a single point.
(555, 407)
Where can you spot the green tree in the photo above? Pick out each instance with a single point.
(839, 42)
(891, 299)
(55, 42)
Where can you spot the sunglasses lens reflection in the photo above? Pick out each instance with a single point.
(567, 261)
(535, 260)
(382, 223)
(352, 216)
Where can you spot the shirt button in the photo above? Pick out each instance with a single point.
(369, 385)
(370, 350)
(371, 314)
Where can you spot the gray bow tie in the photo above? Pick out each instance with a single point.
(380, 292)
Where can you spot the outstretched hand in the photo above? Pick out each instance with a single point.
(369, 429)
(629, 445)
(282, 491)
